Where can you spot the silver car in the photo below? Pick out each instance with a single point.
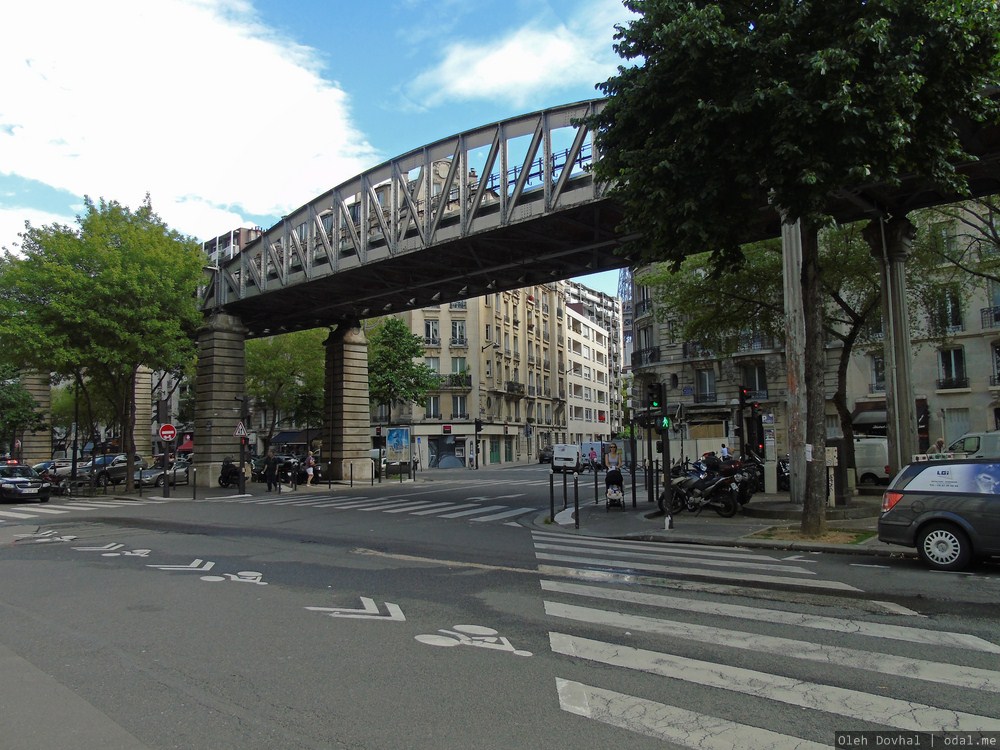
(179, 473)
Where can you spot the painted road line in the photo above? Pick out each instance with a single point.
(434, 511)
(699, 571)
(423, 505)
(668, 555)
(346, 502)
(677, 726)
(508, 514)
(844, 703)
(899, 666)
(698, 549)
(782, 617)
(12, 514)
(47, 509)
(480, 509)
(375, 506)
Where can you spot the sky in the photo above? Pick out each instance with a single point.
(232, 113)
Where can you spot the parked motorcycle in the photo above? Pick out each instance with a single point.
(698, 485)
(229, 474)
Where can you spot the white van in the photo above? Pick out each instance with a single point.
(566, 457)
(871, 460)
(977, 445)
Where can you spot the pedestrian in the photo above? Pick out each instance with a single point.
(939, 445)
(724, 452)
(310, 465)
(271, 470)
(593, 459)
(612, 460)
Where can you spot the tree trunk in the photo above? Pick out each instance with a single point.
(814, 502)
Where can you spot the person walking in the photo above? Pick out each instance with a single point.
(724, 453)
(310, 466)
(271, 470)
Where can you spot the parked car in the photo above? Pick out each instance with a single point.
(55, 466)
(948, 510)
(109, 469)
(545, 454)
(566, 458)
(178, 473)
(976, 445)
(21, 483)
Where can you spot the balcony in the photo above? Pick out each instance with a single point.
(432, 415)
(643, 307)
(455, 381)
(432, 341)
(459, 416)
(459, 305)
(514, 388)
(459, 341)
(990, 317)
(694, 350)
(642, 357)
(877, 387)
(756, 342)
(948, 384)
(706, 398)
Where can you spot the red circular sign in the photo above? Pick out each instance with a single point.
(167, 432)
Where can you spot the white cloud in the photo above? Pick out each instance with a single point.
(189, 100)
(529, 62)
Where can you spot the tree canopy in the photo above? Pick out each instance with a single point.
(729, 105)
(116, 293)
(394, 374)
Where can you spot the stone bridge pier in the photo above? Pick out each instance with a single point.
(220, 388)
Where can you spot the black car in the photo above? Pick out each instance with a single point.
(949, 510)
(545, 454)
(21, 483)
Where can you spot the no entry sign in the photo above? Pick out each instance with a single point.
(167, 432)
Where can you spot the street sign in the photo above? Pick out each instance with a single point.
(240, 431)
(167, 432)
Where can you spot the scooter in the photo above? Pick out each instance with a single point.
(230, 473)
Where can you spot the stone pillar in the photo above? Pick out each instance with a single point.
(347, 420)
(219, 384)
(891, 242)
(143, 432)
(36, 446)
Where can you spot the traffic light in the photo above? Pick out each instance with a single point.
(654, 396)
(663, 424)
(378, 431)
(754, 409)
(744, 397)
(659, 446)
(479, 425)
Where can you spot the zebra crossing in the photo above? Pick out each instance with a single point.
(872, 675)
(32, 511)
(468, 509)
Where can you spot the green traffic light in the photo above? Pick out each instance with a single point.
(665, 423)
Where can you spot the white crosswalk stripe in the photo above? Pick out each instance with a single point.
(418, 502)
(796, 661)
(47, 510)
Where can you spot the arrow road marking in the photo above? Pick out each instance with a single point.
(195, 566)
(368, 612)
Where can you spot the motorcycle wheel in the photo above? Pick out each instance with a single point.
(726, 505)
(677, 501)
(223, 482)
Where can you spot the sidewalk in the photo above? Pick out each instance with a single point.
(763, 512)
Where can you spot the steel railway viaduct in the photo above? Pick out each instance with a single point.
(496, 208)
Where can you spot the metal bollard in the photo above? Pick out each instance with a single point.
(594, 469)
(552, 498)
(576, 500)
(194, 483)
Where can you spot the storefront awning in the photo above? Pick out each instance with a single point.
(868, 418)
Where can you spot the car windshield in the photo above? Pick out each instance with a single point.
(16, 472)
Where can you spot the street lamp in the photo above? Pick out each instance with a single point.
(494, 344)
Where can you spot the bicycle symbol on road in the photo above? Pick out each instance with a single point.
(471, 635)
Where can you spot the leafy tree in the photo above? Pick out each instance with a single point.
(19, 412)
(394, 374)
(101, 300)
(729, 106)
(285, 372)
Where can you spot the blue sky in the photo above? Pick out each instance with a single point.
(234, 112)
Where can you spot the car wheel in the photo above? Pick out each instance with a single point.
(943, 546)
(159, 481)
(868, 479)
(104, 480)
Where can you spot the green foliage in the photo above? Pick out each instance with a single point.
(394, 375)
(116, 293)
(18, 410)
(730, 105)
(284, 376)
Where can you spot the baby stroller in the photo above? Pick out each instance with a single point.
(614, 489)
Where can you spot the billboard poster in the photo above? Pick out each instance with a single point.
(397, 444)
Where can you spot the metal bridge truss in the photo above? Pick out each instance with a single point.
(498, 207)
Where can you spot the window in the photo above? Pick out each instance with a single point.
(432, 407)
(952, 368)
(948, 312)
(878, 372)
(457, 331)
(458, 364)
(705, 386)
(489, 333)
(755, 380)
(458, 408)
(433, 363)
(432, 331)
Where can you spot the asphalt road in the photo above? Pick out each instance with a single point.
(434, 615)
